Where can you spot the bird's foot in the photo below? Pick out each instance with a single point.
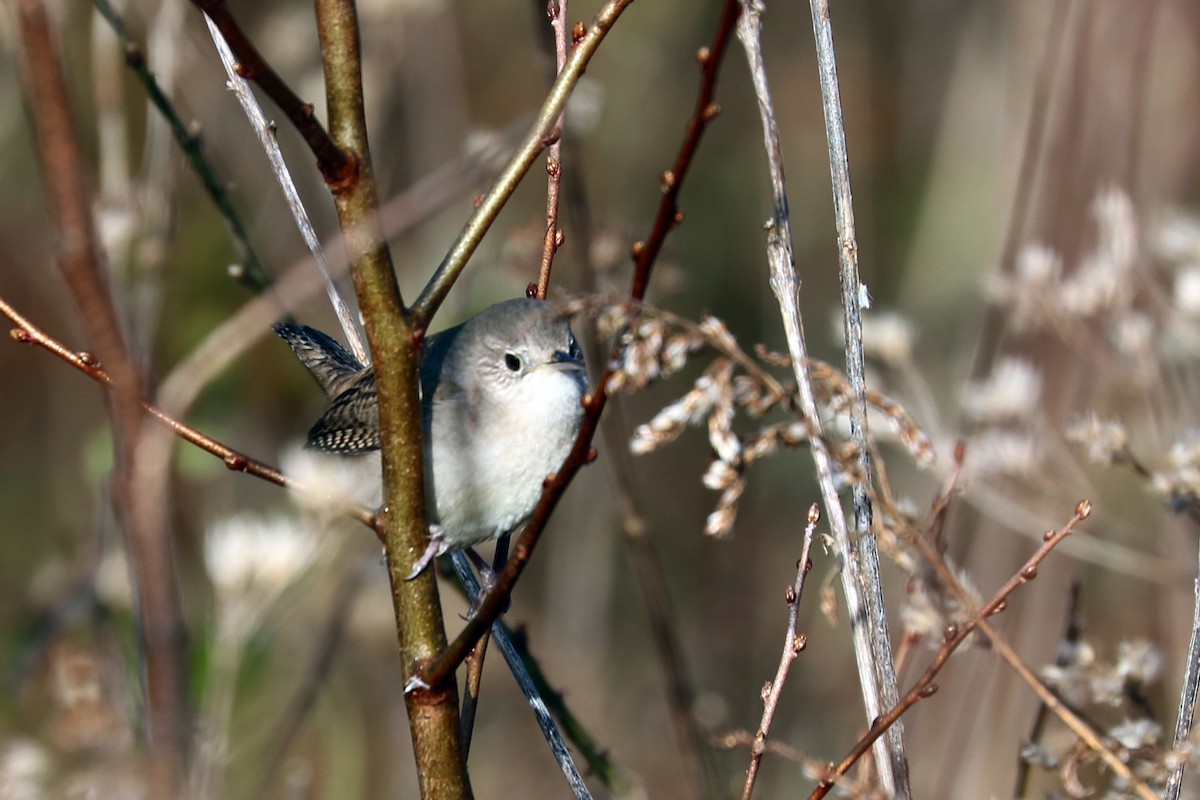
(437, 546)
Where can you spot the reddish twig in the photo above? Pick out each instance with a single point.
(435, 671)
(337, 165)
(793, 643)
(556, 10)
(538, 138)
(954, 636)
(86, 363)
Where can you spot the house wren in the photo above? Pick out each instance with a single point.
(501, 399)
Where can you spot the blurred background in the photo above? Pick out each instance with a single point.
(1025, 184)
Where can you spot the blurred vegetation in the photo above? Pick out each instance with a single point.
(938, 98)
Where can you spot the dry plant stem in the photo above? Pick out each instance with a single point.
(336, 164)
(535, 142)
(1187, 698)
(556, 10)
(252, 273)
(954, 635)
(1032, 149)
(699, 767)
(933, 556)
(270, 144)
(864, 567)
(857, 576)
(793, 643)
(504, 641)
(432, 710)
(645, 253)
(160, 620)
(86, 363)
(1089, 737)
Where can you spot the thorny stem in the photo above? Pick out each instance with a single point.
(337, 165)
(556, 10)
(535, 142)
(86, 363)
(954, 636)
(793, 643)
(645, 253)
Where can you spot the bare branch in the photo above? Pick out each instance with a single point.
(582, 453)
(793, 644)
(336, 164)
(88, 364)
(860, 571)
(556, 10)
(539, 137)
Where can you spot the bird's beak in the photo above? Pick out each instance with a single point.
(565, 361)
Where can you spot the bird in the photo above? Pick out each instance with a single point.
(502, 404)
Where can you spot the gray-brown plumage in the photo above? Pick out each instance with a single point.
(502, 404)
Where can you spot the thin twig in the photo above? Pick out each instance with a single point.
(953, 636)
(86, 363)
(336, 165)
(556, 10)
(857, 576)
(538, 139)
(1076, 724)
(793, 644)
(190, 142)
(270, 144)
(645, 253)
(462, 568)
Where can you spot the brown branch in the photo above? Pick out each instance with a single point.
(234, 460)
(337, 166)
(955, 635)
(394, 339)
(556, 10)
(1072, 720)
(436, 670)
(538, 138)
(793, 644)
(160, 619)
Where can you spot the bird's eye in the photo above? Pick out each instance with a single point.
(512, 361)
(574, 351)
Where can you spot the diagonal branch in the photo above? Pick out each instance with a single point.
(645, 253)
(88, 364)
(954, 636)
(535, 142)
(336, 165)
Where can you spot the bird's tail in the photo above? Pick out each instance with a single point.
(334, 367)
